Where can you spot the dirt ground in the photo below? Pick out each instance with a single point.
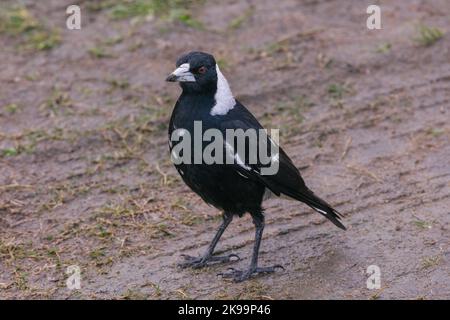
(85, 173)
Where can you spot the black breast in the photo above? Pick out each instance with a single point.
(217, 184)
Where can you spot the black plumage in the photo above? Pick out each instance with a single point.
(235, 188)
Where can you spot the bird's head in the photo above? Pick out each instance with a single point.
(196, 71)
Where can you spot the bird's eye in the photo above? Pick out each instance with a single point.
(201, 70)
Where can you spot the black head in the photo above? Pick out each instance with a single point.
(196, 72)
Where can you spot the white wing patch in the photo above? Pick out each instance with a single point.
(242, 175)
(224, 98)
(236, 156)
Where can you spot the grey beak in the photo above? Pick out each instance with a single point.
(181, 74)
(171, 78)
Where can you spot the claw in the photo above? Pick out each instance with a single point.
(225, 275)
(186, 257)
(279, 266)
(201, 262)
(191, 262)
(238, 275)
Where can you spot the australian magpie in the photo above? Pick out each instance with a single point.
(239, 187)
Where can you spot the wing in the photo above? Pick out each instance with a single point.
(287, 179)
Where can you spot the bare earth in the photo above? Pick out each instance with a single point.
(86, 178)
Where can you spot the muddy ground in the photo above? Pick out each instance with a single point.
(85, 174)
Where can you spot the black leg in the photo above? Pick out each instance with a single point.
(238, 275)
(200, 262)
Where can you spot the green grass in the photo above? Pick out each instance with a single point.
(131, 294)
(293, 109)
(435, 132)
(9, 152)
(185, 17)
(58, 103)
(118, 83)
(384, 48)
(21, 280)
(422, 224)
(427, 36)
(97, 253)
(275, 47)
(237, 22)
(223, 64)
(18, 22)
(12, 108)
(429, 262)
(44, 40)
(99, 53)
(27, 141)
(113, 40)
(337, 91)
(290, 113)
(133, 9)
(171, 10)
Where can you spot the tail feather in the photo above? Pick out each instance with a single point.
(303, 194)
(322, 207)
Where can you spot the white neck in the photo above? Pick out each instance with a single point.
(224, 98)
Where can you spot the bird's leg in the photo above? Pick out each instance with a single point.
(200, 262)
(238, 275)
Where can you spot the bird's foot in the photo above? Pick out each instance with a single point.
(239, 275)
(201, 262)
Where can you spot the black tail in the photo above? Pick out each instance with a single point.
(321, 207)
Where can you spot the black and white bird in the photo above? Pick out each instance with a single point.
(236, 188)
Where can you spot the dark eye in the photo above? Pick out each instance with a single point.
(201, 70)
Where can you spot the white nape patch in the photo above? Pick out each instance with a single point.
(236, 156)
(224, 98)
(183, 73)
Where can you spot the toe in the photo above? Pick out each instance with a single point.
(191, 262)
(229, 258)
(231, 273)
(242, 277)
(239, 276)
(189, 258)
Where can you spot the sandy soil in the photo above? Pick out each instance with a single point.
(86, 179)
